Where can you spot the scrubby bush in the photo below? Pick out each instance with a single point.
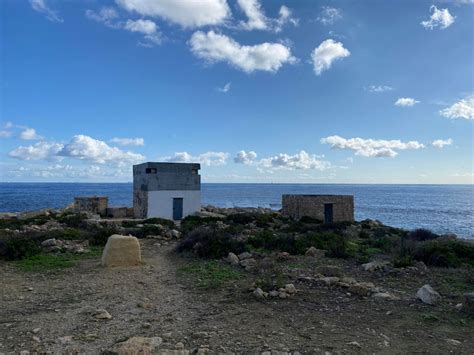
(308, 219)
(192, 222)
(98, 235)
(445, 253)
(272, 241)
(155, 220)
(20, 246)
(241, 218)
(74, 220)
(209, 242)
(421, 235)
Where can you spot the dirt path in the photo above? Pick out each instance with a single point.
(153, 300)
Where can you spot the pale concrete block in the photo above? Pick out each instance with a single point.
(121, 250)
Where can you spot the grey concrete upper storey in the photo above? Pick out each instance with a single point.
(154, 176)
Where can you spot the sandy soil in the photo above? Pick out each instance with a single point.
(153, 300)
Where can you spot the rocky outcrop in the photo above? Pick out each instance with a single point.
(428, 295)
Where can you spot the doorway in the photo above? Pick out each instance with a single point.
(328, 218)
(177, 208)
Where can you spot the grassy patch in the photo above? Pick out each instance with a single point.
(46, 262)
(210, 274)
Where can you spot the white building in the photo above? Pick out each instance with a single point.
(166, 190)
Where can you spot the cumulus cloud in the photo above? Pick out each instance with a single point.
(29, 134)
(87, 148)
(186, 13)
(378, 88)
(207, 159)
(41, 7)
(464, 108)
(214, 47)
(257, 20)
(371, 147)
(106, 15)
(128, 141)
(41, 150)
(225, 88)
(440, 143)
(329, 15)
(299, 161)
(406, 102)
(146, 27)
(439, 18)
(326, 53)
(244, 157)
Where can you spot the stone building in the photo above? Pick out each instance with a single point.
(92, 204)
(327, 208)
(166, 190)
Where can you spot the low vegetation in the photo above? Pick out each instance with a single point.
(210, 274)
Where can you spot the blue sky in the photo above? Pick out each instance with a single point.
(256, 91)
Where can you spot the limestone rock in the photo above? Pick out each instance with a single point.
(290, 288)
(248, 263)
(259, 294)
(233, 259)
(385, 296)
(468, 304)
(121, 250)
(329, 281)
(362, 288)
(245, 255)
(312, 251)
(329, 270)
(377, 265)
(427, 295)
(102, 314)
(136, 346)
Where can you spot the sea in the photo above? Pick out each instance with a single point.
(440, 208)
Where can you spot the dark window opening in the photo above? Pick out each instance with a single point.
(150, 170)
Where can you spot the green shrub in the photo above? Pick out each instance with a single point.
(275, 242)
(192, 222)
(74, 220)
(264, 220)
(211, 274)
(20, 246)
(403, 261)
(241, 218)
(445, 253)
(421, 235)
(164, 222)
(98, 235)
(209, 242)
(312, 220)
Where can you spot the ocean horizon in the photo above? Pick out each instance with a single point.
(442, 208)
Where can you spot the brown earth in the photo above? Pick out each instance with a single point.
(156, 300)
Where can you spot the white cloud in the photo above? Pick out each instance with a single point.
(225, 88)
(214, 47)
(439, 18)
(299, 161)
(5, 134)
(87, 148)
(42, 7)
(440, 143)
(464, 108)
(40, 150)
(146, 27)
(378, 88)
(406, 102)
(244, 157)
(326, 53)
(329, 15)
(207, 159)
(371, 147)
(187, 13)
(106, 15)
(128, 141)
(8, 125)
(29, 134)
(257, 20)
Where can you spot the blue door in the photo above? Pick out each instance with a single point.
(177, 208)
(328, 213)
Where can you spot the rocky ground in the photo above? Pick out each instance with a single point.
(178, 304)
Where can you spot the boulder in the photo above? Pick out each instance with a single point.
(290, 288)
(330, 280)
(121, 250)
(232, 259)
(136, 346)
(427, 295)
(329, 270)
(468, 304)
(362, 288)
(248, 263)
(245, 255)
(385, 296)
(312, 251)
(259, 294)
(377, 265)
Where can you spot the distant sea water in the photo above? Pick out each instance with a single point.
(441, 208)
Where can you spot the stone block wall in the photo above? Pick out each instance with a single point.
(297, 206)
(94, 204)
(120, 212)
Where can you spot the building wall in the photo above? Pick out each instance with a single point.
(140, 203)
(94, 204)
(160, 203)
(297, 206)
